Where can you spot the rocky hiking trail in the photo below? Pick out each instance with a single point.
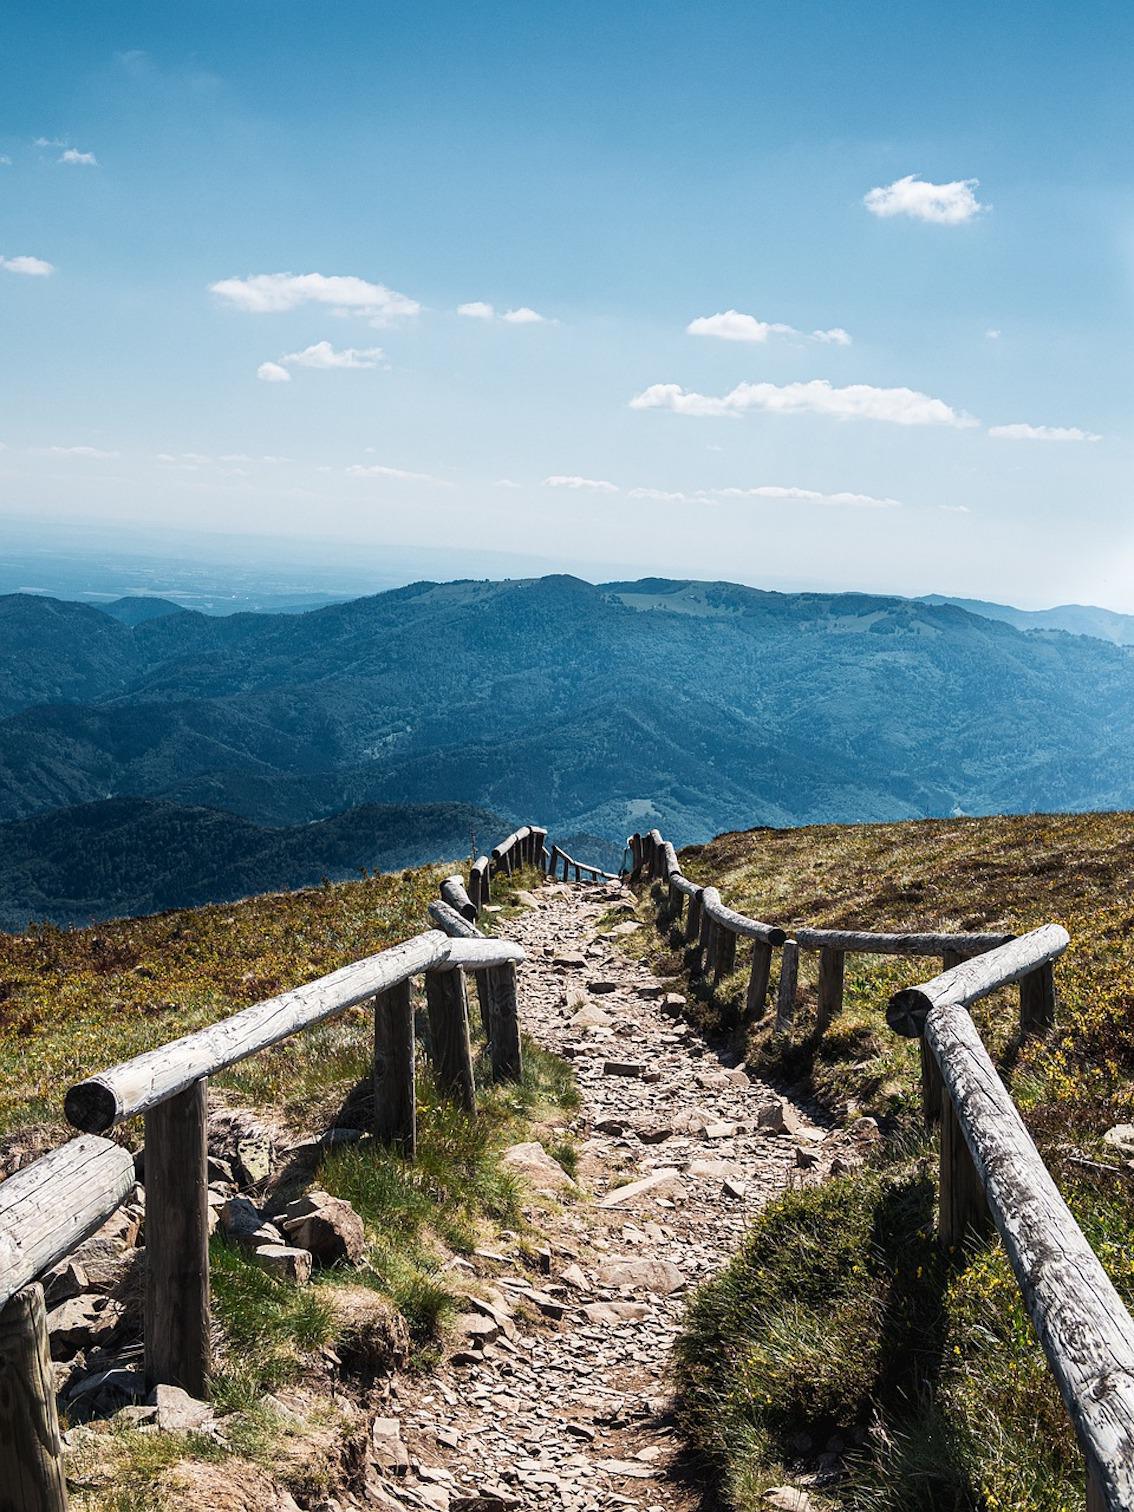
(556, 1392)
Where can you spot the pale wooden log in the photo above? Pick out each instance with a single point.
(657, 854)
(785, 992)
(452, 923)
(523, 845)
(724, 955)
(479, 954)
(671, 865)
(504, 1041)
(700, 963)
(832, 970)
(176, 1333)
(453, 892)
(684, 885)
(738, 923)
(976, 978)
(693, 917)
(1085, 1331)
(31, 1449)
(758, 978)
(52, 1205)
(139, 1084)
(479, 886)
(932, 1087)
(1037, 1000)
(395, 1094)
(449, 1040)
(867, 943)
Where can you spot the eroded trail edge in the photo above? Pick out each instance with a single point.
(557, 1393)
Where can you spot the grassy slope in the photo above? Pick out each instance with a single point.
(74, 1001)
(839, 1322)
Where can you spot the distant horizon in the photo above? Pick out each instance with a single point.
(243, 553)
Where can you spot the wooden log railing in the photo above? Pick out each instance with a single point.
(582, 871)
(169, 1087)
(46, 1209)
(992, 1175)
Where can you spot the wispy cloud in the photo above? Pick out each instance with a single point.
(1022, 432)
(79, 159)
(733, 325)
(773, 491)
(505, 483)
(856, 401)
(945, 204)
(30, 267)
(49, 142)
(91, 453)
(323, 355)
(400, 474)
(592, 485)
(5, 160)
(271, 372)
(479, 309)
(275, 293)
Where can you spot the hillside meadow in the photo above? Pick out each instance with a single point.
(75, 1000)
(840, 1322)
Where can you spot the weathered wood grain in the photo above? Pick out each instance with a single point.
(738, 923)
(1085, 1331)
(55, 1203)
(449, 1040)
(477, 955)
(977, 977)
(786, 990)
(395, 1091)
(480, 888)
(142, 1083)
(759, 976)
(454, 893)
(31, 1463)
(866, 942)
(177, 1345)
(832, 970)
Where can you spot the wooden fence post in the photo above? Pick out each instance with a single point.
(1037, 1000)
(31, 1465)
(758, 980)
(504, 1035)
(1096, 1497)
(693, 917)
(449, 1041)
(676, 899)
(832, 965)
(785, 993)
(724, 953)
(395, 1096)
(704, 943)
(932, 1087)
(963, 1206)
(177, 1241)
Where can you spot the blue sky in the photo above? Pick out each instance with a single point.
(625, 172)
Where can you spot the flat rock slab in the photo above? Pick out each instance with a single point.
(661, 1277)
(535, 1165)
(643, 1187)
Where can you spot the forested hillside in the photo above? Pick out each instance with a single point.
(599, 708)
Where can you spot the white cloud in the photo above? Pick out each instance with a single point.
(992, 334)
(49, 142)
(524, 316)
(505, 483)
(5, 160)
(733, 325)
(594, 485)
(323, 355)
(274, 293)
(476, 309)
(838, 500)
(91, 453)
(82, 159)
(184, 459)
(946, 204)
(358, 470)
(857, 401)
(271, 372)
(664, 495)
(31, 267)
(1023, 432)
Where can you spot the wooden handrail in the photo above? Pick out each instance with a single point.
(134, 1086)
